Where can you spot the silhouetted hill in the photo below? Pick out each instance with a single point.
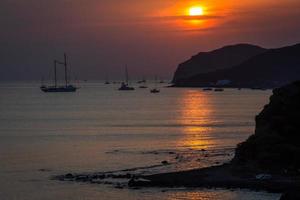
(225, 57)
(270, 69)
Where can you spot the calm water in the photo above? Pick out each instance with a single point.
(101, 129)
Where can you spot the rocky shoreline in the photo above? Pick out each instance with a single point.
(224, 176)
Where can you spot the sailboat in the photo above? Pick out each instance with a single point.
(125, 85)
(106, 80)
(143, 83)
(143, 86)
(143, 80)
(155, 90)
(67, 87)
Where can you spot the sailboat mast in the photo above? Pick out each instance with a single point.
(126, 72)
(66, 71)
(55, 78)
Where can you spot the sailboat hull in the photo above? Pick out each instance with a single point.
(59, 89)
(154, 91)
(126, 88)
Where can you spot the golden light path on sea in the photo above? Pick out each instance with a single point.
(195, 114)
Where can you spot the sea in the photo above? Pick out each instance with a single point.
(101, 129)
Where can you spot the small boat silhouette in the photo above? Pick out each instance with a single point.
(125, 85)
(219, 90)
(155, 90)
(143, 86)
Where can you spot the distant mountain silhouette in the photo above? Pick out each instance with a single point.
(272, 68)
(222, 58)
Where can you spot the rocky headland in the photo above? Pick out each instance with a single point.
(262, 68)
(222, 58)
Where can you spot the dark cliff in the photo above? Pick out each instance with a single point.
(276, 142)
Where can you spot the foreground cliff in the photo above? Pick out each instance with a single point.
(268, 160)
(270, 69)
(276, 142)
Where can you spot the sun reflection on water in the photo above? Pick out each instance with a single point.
(195, 118)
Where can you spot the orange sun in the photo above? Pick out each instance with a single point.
(196, 11)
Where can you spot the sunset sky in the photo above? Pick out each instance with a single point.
(151, 36)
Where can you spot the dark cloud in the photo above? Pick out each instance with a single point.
(182, 17)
